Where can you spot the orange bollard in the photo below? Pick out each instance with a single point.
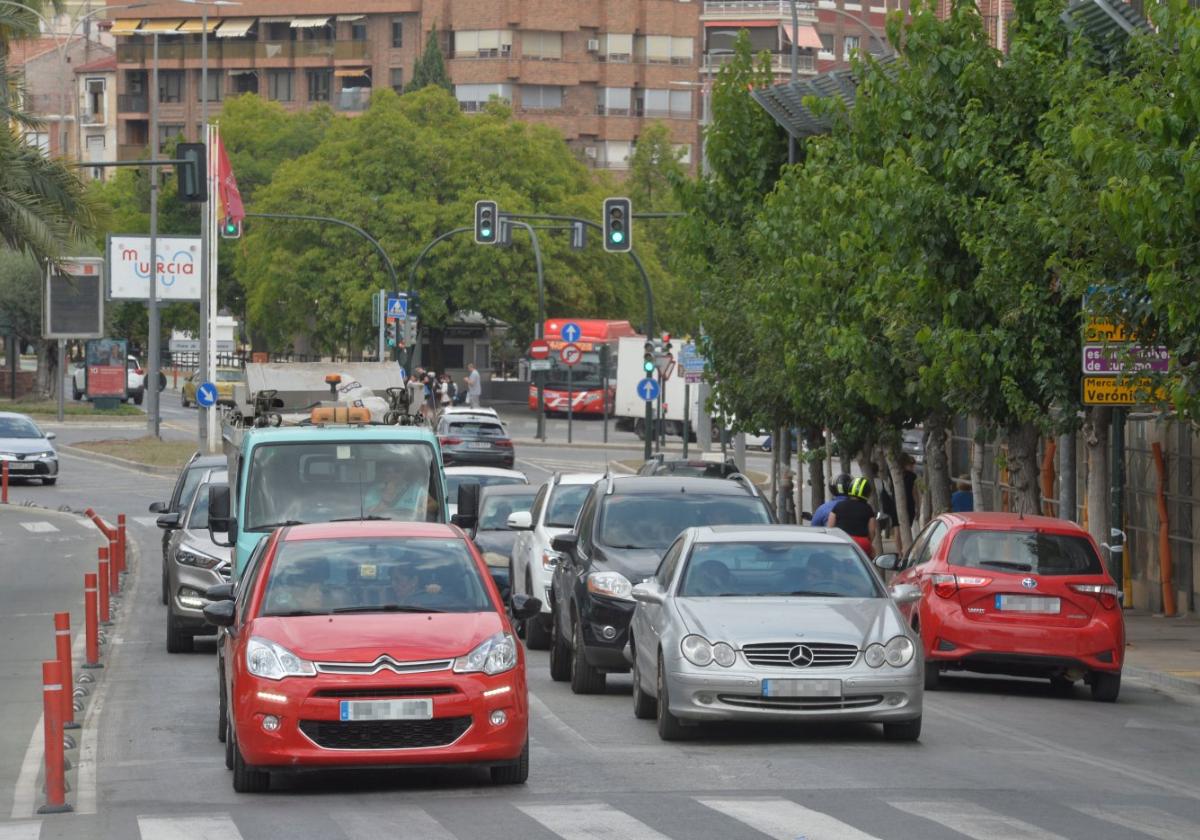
(62, 649)
(53, 690)
(102, 578)
(114, 569)
(4, 482)
(91, 621)
(121, 540)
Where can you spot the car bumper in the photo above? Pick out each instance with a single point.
(736, 694)
(602, 617)
(187, 586)
(39, 468)
(310, 734)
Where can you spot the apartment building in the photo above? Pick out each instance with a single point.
(96, 93)
(596, 70)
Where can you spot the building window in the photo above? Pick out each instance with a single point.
(397, 79)
(170, 86)
(135, 82)
(278, 31)
(215, 85)
(358, 31)
(673, 104)
(168, 132)
(616, 48)
(245, 81)
(683, 151)
(849, 46)
(483, 43)
(541, 97)
(541, 45)
(320, 82)
(39, 140)
(682, 50)
(614, 102)
(397, 33)
(827, 43)
(663, 49)
(95, 100)
(472, 98)
(279, 85)
(615, 154)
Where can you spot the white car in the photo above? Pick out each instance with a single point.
(135, 381)
(483, 476)
(555, 509)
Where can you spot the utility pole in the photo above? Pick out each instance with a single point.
(153, 351)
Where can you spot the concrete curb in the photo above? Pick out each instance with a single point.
(148, 469)
(1163, 680)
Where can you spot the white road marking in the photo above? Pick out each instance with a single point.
(387, 825)
(1149, 821)
(540, 710)
(591, 821)
(30, 830)
(785, 820)
(38, 527)
(217, 827)
(973, 820)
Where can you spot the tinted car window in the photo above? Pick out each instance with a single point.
(477, 429)
(18, 427)
(495, 509)
(652, 521)
(697, 469)
(198, 518)
(565, 502)
(245, 584)
(666, 569)
(191, 480)
(1025, 551)
(776, 568)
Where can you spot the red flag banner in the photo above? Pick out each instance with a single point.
(227, 188)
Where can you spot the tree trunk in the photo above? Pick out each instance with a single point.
(816, 477)
(937, 469)
(978, 496)
(1095, 434)
(903, 514)
(1066, 477)
(1024, 468)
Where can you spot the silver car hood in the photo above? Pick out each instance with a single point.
(741, 621)
(25, 446)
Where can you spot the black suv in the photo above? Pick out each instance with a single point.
(624, 526)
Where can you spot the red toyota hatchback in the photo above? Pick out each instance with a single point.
(368, 644)
(1006, 594)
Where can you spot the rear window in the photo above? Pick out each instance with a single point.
(646, 521)
(1033, 552)
(474, 429)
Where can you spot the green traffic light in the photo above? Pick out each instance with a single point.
(618, 237)
(486, 232)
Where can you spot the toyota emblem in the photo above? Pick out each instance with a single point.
(1029, 583)
(801, 656)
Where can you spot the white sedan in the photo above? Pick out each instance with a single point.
(483, 476)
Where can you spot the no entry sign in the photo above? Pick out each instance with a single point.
(539, 349)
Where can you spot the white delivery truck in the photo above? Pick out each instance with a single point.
(630, 408)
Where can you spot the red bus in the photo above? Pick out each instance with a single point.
(586, 391)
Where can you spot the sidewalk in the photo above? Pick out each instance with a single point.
(1163, 651)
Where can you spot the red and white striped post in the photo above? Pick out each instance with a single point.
(91, 620)
(121, 540)
(62, 649)
(53, 691)
(102, 578)
(4, 482)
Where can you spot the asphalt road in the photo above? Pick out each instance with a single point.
(998, 759)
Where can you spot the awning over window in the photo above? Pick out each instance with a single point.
(160, 25)
(805, 36)
(125, 27)
(349, 18)
(197, 25)
(309, 22)
(351, 72)
(286, 19)
(234, 27)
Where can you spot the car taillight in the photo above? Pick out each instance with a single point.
(1106, 595)
(503, 443)
(947, 585)
(450, 441)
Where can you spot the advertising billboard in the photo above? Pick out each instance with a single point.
(106, 360)
(73, 303)
(129, 267)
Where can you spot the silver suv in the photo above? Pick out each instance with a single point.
(194, 564)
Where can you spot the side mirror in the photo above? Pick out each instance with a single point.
(468, 506)
(219, 520)
(51, 436)
(649, 592)
(906, 593)
(565, 543)
(522, 520)
(219, 592)
(889, 562)
(525, 606)
(158, 507)
(219, 613)
(168, 521)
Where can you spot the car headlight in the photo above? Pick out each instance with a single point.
(697, 650)
(550, 559)
(494, 655)
(724, 654)
(611, 585)
(270, 661)
(898, 651)
(190, 557)
(874, 655)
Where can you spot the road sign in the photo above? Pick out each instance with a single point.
(539, 349)
(690, 361)
(397, 307)
(1124, 358)
(647, 389)
(570, 332)
(1099, 329)
(690, 378)
(206, 395)
(570, 355)
(540, 364)
(1108, 390)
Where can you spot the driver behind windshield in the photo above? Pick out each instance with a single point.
(400, 489)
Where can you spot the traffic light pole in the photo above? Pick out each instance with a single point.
(541, 321)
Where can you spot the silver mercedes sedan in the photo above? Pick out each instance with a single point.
(773, 623)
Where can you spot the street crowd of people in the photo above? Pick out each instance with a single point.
(431, 393)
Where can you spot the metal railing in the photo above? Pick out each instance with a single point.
(751, 9)
(356, 99)
(136, 103)
(241, 50)
(781, 62)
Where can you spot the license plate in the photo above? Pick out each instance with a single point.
(479, 445)
(801, 688)
(20, 466)
(1027, 604)
(415, 709)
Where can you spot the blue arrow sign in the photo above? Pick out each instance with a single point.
(397, 307)
(570, 332)
(647, 389)
(206, 395)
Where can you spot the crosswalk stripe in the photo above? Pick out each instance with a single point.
(38, 527)
(1148, 821)
(216, 827)
(973, 820)
(23, 830)
(785, 820)
(379, 826)
(591, 821)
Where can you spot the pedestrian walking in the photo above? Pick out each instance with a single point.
(416, 393)
(474, 386)
(962, 500)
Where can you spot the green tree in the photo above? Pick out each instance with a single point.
(430, 68)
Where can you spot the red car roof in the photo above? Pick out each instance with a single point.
(1013, 522)
(350, 530)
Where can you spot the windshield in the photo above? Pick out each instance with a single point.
(585, 375)
(18, 427)
(453, 482)
(645, 521)
(495, 509)
(776, 568)
(1025, 551)
(320, 482)
(378, 574)
(565, 502)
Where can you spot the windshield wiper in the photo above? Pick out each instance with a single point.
(813, 593)
(293, 613)
(369, 518)
(1004, 564)
(271, 525)
(411, 608)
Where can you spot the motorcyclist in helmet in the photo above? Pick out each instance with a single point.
(855, 516)
(838, 490)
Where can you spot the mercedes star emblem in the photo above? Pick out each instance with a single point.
(801, 656)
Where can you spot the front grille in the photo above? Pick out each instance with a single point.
(349, 693)
(807, 704)
(385, 734)
(779, 654)
(382, 663)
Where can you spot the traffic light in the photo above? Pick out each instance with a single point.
(648, 359)
(392, 332)
(486, 230)
(192, 175)
(231, 228)
(618, 225)
(666, 343)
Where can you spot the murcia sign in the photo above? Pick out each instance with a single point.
(128, 265)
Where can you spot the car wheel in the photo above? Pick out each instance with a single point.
(49, 482)
(644, 706)
(515, 773)
(905, 730)
(177, 640)
(933, 675)
(1106, 686)
(1062, 685)
(669, 727)
(537, 637)
(245, 778)
(584, 678)
(560, 653)
(228, 739)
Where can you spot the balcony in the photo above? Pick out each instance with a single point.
(131, 151)
(354, 99)
(133, 103)
(806, 10)
(242, 51)
(780, 62)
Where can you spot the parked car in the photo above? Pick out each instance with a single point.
(475, 440)
(371, 644)
(491, 533)
(624, 526)
(697, 467)
(196, 563)
(483, 476)
(1009, 594)
(186, 482)
(782, 623)
(224, 379)
(29, 451)
(554, 511)
(135, 381)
